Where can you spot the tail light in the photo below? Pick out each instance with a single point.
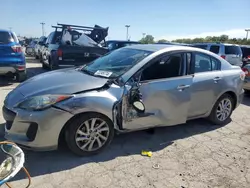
(223, 56)
(16, 48)
(245, 70)
(21, 67)
(59, 54)
(248, 57)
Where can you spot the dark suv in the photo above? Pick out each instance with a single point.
(115, 44)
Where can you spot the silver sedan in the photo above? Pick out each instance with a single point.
(132, 88)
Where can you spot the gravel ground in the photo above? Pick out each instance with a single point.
(192, 155)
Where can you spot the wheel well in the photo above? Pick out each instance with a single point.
(234, 97)
(61, 138)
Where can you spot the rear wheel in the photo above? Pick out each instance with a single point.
(21, 76)
(222, 110)
(89, 134)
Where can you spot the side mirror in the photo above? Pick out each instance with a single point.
(138, 106)
(11, 159)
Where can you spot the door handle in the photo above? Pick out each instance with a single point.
(181, 87)
(216, 79)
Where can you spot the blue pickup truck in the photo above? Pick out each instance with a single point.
(12, 58)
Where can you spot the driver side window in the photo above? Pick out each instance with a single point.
(165, 67)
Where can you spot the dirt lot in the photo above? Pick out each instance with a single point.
(192, 155)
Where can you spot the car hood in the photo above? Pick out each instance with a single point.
(65, 81)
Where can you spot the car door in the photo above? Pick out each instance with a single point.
(206, 83)
(164, 89)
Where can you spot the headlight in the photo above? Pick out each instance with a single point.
(41, 102)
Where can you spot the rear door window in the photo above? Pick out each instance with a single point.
(5, 37)
(56, 37)
(205, 63)
(233, 50)
(215, 49)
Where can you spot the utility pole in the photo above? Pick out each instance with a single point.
(42, 23)
(10, 28)
(247, 30)
(143, 35)
(127, 26)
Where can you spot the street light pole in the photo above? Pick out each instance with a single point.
(42, 23)
(127, 26)
(143, 35)
(247, 30)
(10, 28)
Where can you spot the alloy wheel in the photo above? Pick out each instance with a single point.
(92, 134)
(224, 109)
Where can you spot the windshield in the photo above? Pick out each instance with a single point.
(115, 63)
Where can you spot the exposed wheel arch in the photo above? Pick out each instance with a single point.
(234, 97)
(61, 138)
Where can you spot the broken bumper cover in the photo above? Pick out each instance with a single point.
(37, 130)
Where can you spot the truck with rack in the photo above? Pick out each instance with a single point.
(73, 45)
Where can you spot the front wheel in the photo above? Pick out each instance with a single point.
(89, 134)
(222, 110)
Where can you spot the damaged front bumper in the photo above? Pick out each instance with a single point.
(38, 130)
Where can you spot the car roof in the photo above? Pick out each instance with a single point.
(245, 46)
(4, 30)
(128, 41)
(214, 43)
(157, 47)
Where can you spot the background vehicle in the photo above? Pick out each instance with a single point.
(30, 48)
(246, 54)
(12, 59)
(131, 88)
(115, 44)
(56, 54)
(246, 85)
(174, 43)
(39, 46)
(230, 52)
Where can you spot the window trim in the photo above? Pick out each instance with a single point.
(183, 66)
(210, 57)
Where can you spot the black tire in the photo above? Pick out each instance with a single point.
(37, 57)
(213, 116)
(21, 76)
(52, 65)
(44, 66)
(40, 59)
(76, 123)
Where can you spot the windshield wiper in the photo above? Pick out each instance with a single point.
(87, 72)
